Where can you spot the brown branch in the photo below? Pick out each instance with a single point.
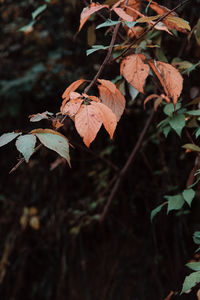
(126, 167)
(149, 29)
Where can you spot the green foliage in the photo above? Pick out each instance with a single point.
(190, 281)
(26, 145)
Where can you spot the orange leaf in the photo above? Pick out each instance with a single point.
(115, 101)
(135, 71)
(122, 14)
(107, 83)
(72, 107)
(172, 79)
(93, 98)
(88, 11)
(161, 10)
(108, 117)
(133, 5)
(74, 95)
(157, 72)
(88, 121)
(71, 88)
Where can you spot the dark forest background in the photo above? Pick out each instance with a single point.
(52, 246)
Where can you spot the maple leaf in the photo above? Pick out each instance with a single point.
(108, 117)
(88, 121)
(170, 78)
(115, 101)
(135, 71)
(71, 88)
(88, 11)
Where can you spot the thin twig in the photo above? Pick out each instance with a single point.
(126, 167)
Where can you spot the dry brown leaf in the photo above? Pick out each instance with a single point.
(71, 88)
(122, 14)
(135, 71)
(74, 95)
(115, 101)
(57, 124)
(72, 107)
(107, 83)
(177, 23)
(88, 11)
(158, 74)
(161, 10)
(93, 98)
(161, 26)
(88, 121)
(173, 80)
(108, 117)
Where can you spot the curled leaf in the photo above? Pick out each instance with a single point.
(71, 88)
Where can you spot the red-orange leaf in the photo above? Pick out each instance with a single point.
(115, 101)
(88, 11)
(72, 107)
(108, 117)
(135, 71)
(71, 88)
(122, 14)
(107, 83)
(88, 121)
(158, 74)
(172, 79)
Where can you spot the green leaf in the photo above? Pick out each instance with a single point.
(188, 195)
(38, 11)
(196, 237)
(26, 145)
(54, 141)
(8, 137)
(191, 147)
(190, 281)
(195, 266)
(130, 24)
(197, 134)
(177, 123)
(107, 23)
(175, 202)
(156, 210)
(97, 48)
(166, 131)
(193, 112)
(169, 109)
(27, 27)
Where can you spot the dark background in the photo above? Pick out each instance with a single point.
(72, 256)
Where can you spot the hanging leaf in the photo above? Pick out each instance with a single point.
(188, 195)
(71, 88)
(72, 107)
(8, 137)
(135, 71)
(190, 281)
(54, 141)
(26, 145)
(88, 121)
(108, 117)
(191, 147)
(115, 101)
(175, 202)
(177, 123)
(172, 81)
(88, 11)
(107, 83)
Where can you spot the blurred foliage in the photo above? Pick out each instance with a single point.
(52, 246)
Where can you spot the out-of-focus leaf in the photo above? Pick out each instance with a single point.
(175, 202)
(188, 195)
(107, 23)
(195, 266)
(190, 281)
(191, 147)
(8, 137)
(177, 123)
(156, 210)
(38, 11)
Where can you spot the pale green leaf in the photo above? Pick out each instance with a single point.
(196, 237)
(177, 123)
(169, 109)
(188, 195)
(8, 137)
(26, 145)
(27, 27)
(195, 266)
(175, 202)
(191, 147)
(130, 24)
(193, 112)
(190, 281)
(54, 141)
(38, 11)
(107, 23)
(156, 210)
